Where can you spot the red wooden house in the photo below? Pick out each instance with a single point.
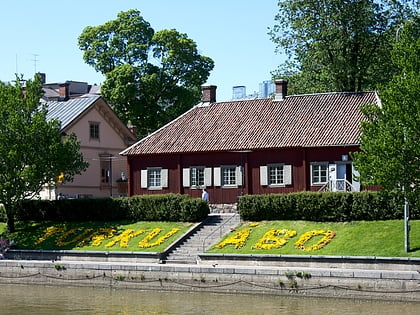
(273, 145)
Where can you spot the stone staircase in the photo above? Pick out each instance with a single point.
(206, 234)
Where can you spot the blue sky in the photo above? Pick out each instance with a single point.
(231, 32)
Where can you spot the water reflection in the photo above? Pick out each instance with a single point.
(25, 299)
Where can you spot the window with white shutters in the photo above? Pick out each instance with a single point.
(273, 175)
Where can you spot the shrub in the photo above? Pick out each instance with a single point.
(330, 206)
(165, 207)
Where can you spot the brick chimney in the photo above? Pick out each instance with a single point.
(63, 91)
(133, 130)
(42, 76)
(281, 89)
(209, 94)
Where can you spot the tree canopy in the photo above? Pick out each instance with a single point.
(337, 45)
(32, 150)
(150, 77)
(390, 139)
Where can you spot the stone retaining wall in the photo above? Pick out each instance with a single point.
(287, 280)
(334, 262)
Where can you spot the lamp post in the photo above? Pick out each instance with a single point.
(406, 225)
(110, 176)
(406, 205)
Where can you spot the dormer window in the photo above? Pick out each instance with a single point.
(94, 130)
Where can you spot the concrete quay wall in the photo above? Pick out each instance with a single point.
(346, 262)
(401, 285)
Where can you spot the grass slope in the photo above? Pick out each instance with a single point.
(363, 238)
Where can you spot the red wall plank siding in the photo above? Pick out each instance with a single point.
(299, 158)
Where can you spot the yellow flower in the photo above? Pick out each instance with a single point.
(99, 236)
(254, 224)
(239, 239)
(328, 236)
(48, 232)
(60, 241)
(124, 238)
(144, 243)
(272, 240)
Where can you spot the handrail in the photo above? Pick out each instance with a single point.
(219, 228)
(337, 185)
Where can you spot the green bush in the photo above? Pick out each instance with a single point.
(331, 207)
(165, 207)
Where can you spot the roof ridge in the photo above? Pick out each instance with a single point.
(330, 93)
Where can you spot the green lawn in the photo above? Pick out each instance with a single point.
(364, 238)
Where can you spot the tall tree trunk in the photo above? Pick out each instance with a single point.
(10, 221)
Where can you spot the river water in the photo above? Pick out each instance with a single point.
(45, 300)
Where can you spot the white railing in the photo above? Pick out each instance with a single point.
(337, 185)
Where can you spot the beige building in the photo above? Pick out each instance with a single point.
(102, 136)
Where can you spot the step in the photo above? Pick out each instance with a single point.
(187, 251)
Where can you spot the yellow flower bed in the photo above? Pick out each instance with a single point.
(49, 232)
(238, 240)
(80, 237)
(274, 239)
(99, 236)
(61, 240)
(124, 238)
(145, 243)
(328, 236)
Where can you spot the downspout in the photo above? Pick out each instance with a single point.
(179, 171)
(306, 186)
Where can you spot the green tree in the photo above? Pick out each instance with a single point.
(390, 138)
(32, 149)
(337, 45)
(150, 77)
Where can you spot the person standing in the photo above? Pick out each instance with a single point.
(205, 195)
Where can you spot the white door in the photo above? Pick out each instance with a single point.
(341, 177)
(355, 183)
(332, 176)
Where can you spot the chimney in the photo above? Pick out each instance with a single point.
(281, 89)
(209, 93)
(133, 130)
(63, 91)
(42, 77)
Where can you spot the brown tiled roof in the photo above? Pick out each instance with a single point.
(326, 119)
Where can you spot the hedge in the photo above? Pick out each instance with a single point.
(165, 207)
(325, 206)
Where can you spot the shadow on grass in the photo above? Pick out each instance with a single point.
(28, 233)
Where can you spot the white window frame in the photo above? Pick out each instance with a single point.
(219, 181)
(315, 166)
(187, 179)
(197, 176)
(265, 175)
(146, 178)
(228, 176)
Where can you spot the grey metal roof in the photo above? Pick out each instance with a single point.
(68, 111)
